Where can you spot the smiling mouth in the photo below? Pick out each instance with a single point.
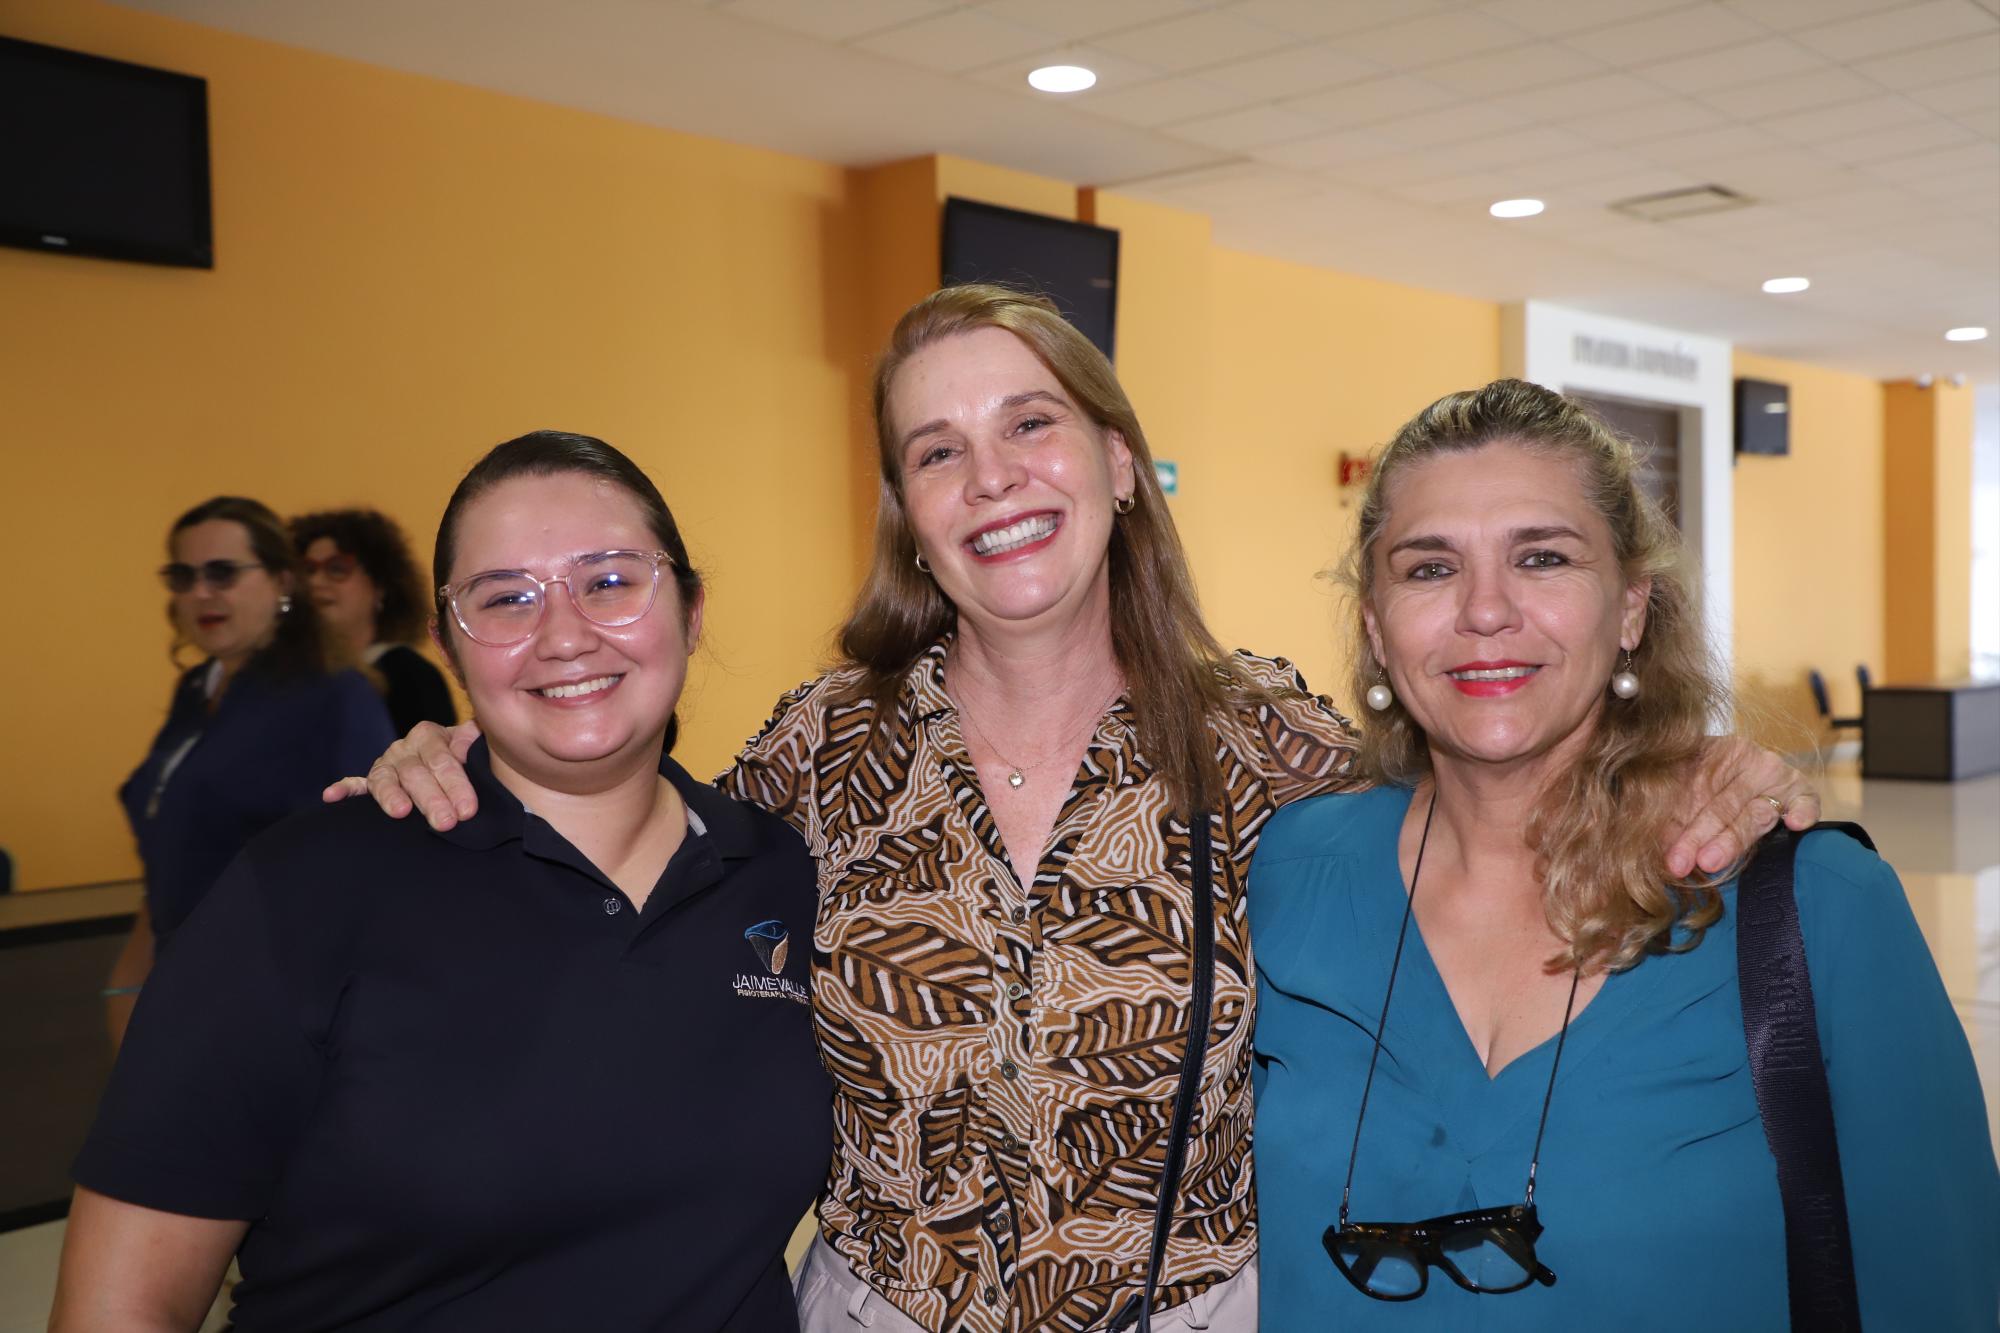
(1495, 673)
(578, 689)
(1026, 532)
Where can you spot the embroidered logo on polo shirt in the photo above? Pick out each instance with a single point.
(773, 945)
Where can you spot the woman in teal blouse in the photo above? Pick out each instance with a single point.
(1550, 1006)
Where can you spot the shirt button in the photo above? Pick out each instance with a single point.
(1008, 1069)
(1015, 990)
(611, 906)
(990, 1296)
(1009, 1142)
(1020, 915)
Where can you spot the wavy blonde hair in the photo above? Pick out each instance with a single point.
(1600, 828)
(1176, 676)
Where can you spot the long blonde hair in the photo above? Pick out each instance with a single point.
(1175, 673)
(1599, 830)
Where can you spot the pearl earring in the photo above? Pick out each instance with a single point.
(1625, 685)
(1380, 696)
(285, 605)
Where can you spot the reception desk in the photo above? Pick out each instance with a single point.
(1939, 733)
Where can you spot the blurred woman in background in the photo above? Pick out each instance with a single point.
(372, 606)
(253, 730)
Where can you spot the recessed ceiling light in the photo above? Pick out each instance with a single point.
(1061, 78)
(1781, 286)
(1516, 208)
(1971, 333)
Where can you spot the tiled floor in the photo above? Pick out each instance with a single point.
(1943, 839)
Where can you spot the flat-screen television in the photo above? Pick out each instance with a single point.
(100, 157)
(1763, 417)
(1075, 264)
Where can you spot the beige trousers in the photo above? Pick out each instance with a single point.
(833, 1300)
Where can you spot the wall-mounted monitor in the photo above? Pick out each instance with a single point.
(1763, 417)
(1073, 263)
(100, 157)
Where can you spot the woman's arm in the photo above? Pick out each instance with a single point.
(128, 974)
(127, 1269)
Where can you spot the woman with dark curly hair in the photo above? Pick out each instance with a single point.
(372, 604)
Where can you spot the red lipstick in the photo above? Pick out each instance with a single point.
(1493, 687)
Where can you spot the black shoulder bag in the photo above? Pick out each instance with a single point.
(1139, 1310)
(1781, 1030)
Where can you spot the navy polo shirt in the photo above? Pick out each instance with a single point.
(456, 1081)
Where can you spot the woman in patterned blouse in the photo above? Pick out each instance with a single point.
(998, 785)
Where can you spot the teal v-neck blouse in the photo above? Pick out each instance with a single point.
(1657, 1191)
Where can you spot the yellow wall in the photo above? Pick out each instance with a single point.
(1926, 481)
(1809, 553)
(407, 272)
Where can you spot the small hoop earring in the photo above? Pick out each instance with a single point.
(1380, 696)
(1625, 685)
(285, 604)
(923, 565)
(1125, 504)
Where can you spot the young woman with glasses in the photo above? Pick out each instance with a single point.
(550, 1069)
(1502, 1072)
(1029, 765)
(252, 730)
(372, 605)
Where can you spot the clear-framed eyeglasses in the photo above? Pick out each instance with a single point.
(503, 607)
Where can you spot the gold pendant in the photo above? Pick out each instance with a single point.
(1014, 779)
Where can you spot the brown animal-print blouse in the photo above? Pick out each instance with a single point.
(1005, 1061)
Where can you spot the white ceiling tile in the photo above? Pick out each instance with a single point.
(1966, 194)
(961, 40)
(1340, 148)
(1662, 36)
(1574, 97)
(1432, 39)
(1553, 18)
(1532, 67)
(1331, 18)
(1985, 124)
(1069, 19)
(835, 23)
(1373, 100)
(1162, 101)
(1694, 152)
(1234, 131)
(1288, 73)
(1929, 66)
(1571, 170)
(1747, 63)
(1918, 136)
(1789, 173)
(1870, 205)
(1978, 93)
(1207, 37)
(1642, 121)
(1757, 98)
(1965, 160)
(1452, 124)
(1789, 15)
(1846, 118)
(1899, 29)
(1480, 187)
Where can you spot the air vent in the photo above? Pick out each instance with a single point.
(1672, 205)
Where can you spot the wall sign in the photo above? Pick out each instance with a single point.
(1169, 475)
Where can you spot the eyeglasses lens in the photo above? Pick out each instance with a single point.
(1378, 1266)
(1492, 1259)
(217, 574)
(610, 590)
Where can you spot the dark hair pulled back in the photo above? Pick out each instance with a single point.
(296, 648)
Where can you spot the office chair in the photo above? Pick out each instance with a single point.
(1824, 704)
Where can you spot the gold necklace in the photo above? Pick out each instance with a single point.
(1017, 773)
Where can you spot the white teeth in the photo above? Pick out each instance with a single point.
(579, 689)
(1014, 535)
(1497, 673)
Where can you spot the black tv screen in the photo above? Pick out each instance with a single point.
(100, 157)
(1763, 417)
(1073, 263)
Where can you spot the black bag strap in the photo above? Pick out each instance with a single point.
(1781, 1030)
(1202, 984)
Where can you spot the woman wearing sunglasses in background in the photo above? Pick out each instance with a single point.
(1547, 1067)
(551, 1069)
(372, 606)
(253, 731)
